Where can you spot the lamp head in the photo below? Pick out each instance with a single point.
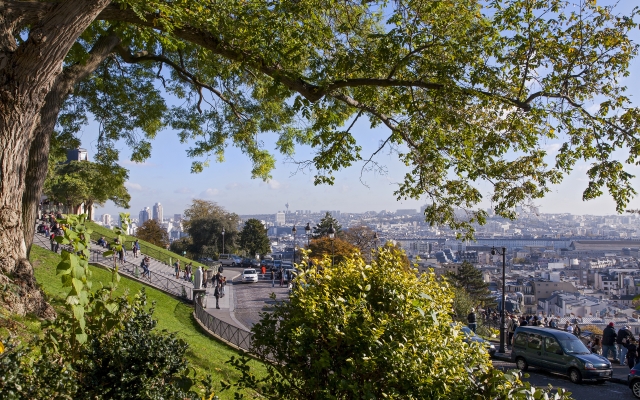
(493, 251)
(331, 231)
(294, 230)
(307, 228)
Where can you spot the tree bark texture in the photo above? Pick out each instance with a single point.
(27, 74)
(39, 152)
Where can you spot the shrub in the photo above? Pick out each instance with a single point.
(360, 331)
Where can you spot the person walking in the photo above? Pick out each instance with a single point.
(216, 294)
(135, 247)
(273, 279)
(281, 277)
(511, 328)
(609, 342)
(632, 352)
(176, 267)
(471, 320)
(223, 286)
(623, 338)
(145, 267)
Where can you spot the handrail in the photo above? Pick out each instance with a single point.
(131, 270)
(232, 334)
(146, 249)
(165, 284)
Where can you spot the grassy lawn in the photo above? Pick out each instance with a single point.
(205, 354)
(160, 254)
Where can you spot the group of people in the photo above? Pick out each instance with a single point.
(622, 344)
(186, 272)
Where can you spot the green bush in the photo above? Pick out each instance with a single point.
(124, 357)
(360, 331)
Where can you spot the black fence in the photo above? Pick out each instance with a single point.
(232, 334)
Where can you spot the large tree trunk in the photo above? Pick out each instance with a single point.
(27, 74)
(39, 153)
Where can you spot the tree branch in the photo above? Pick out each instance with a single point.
(186, 75)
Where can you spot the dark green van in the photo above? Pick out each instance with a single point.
(557, 351)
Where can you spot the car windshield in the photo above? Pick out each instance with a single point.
(249, 271)
(574, 346)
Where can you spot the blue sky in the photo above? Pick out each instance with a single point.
(166, 178)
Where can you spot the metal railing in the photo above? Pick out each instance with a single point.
(176, 288)
(166, 257)
(223, 330)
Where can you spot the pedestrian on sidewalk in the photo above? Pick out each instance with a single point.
(511, 328)
(273, 279)
(471, 320)
(145, 267)
(223, 286)
(609, 342)
(624, 335)
(281, 277)
(216, 294)
(176, 267)
(632, 352)
(135, 247)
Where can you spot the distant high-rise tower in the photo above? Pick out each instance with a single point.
(157, 212)
(280, 218)
(106, 219)
(144, 215)
(287, 205)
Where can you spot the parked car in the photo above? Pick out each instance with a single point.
(250, 275)
(470, 336)
(634, 380)
(268, 264)
(276, 265)
(558, 351)
(229, 260)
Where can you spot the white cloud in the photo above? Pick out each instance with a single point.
(210, 192)
(133, 186)
(183, 190)
(233, 185)
(274, 184)
(552, 148)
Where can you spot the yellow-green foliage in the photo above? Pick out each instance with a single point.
(372, 331)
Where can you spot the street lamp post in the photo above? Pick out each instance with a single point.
(332, 233)
(222, 240)
(502, 308)
(307, 230)
(294, 230)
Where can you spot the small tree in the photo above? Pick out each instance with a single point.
(362, 237)
(371, 331)
(254, 239)
(469, 278)
(151, 231)
(326, 247)
(322, 228)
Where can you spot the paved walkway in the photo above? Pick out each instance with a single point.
(163, 274)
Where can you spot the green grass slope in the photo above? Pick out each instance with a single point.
(206, 355)
(160, 254)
